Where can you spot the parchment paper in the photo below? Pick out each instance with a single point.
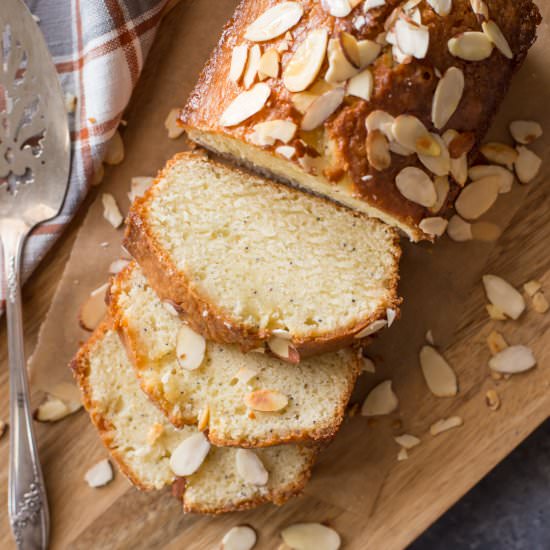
(435, 279)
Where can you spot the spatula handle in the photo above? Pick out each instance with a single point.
(27, 503)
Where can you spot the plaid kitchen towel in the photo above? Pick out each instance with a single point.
(99, 47)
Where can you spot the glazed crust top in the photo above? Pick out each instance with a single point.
(399, 88)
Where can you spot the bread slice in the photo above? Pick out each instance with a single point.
(249, 260)
(125, 419)
(318, 389)
(331, 156)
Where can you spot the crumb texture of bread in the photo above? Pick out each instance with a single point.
(318, 388)
(126, 419)
(252, 257)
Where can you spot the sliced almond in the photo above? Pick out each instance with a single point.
(287, 151)
(445, 424)
(430, 337)
(499, 153)
(188, 456)
(540, 303)
(274, 22)
(241, 537)
(322, 108)
(267, 133)
(403, 454)
(391, 315)
(306, 536)
(441, 7)
(439, 165)
(204, 418)
(54, 409)
(117, 266)
(513, 360)
(439, 376)
(246, 374)
(477, 197)
(252, 66)
(94, 309)
(368, 52)
(447, 96)
(171, 124)
(111, 212)
(527, 164)
(250, 468)
(461, 144)
(245, 105)
(434, 226)
(459, 230)
(493, 32)
(496, 342)
(375, 326)
(380, 120)
(495, 313)
(479, 7)
(471, 46)
(305, 64)
(532, 287)
(504, 176)
(114, 153)
(378, 150)
(381, 400)
(411, 133)
(266, 400)
(407, 441)
(269, 64)
(492, 400)
(338, 8)
(100, 474)
(442, 188)
(367, 365)
(371, 4)
(504, 296)
(416, 186)
(525, 131)
(350, 48)
(361, 85)
(412, 39)
(339, 66)
(459, 165)
(190, 348)
(239, 57)
(399, 56)
(138, 186)
(283, 349)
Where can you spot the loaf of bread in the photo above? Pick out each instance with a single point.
(340, 96)
(217, 393)
(141, 441)
(253, 262)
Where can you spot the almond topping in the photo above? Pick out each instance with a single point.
(371, 4)
(266, 400)
(532, 287)
(495, 313)
(305, 536)
(54, 409)
(513, 360)
(461, 144)
(499, 153)
(492, 400)
(286, 151)
(493, 32)
(100, 474)
(306, 62)
(111, 212)
(367, 365)
(252, 65)
(188, 456)
(434, 226)
(190, 348)
(458, 166)
(204, 419)
(412, 39)
(338, 8)
(269, 64)
(477, 197)
(459, 230)
(138, 186)
(94, 309)
(527, 164)
(447, 96)
(267, 133)
(171, 124)
(540, 303)
(375, 326)
(378, 150)
(250, 468)
(525, 131)
(245, 105)
(361, 85)
(416, 186)
(283, 349)
(441, 7)
(445, 424)
(413, 135)
(479, 7)
(442, 187)
(391, 315)
(114, 153)
(505, 177)
(486, 231)
(496, 342)
(339, 66)
(380, 120)
(381, 400)
(471, 46)
(274, 22)
(439, 165)
(438, 374)
(368, 52)
(504, 296)
(241, 537)
(407, 441)
(321, 109)
(350, 48)
(239, 56)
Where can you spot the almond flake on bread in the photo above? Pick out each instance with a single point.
(492, 30)
(274, 22)
(245, 105)
(447, 96)
(471, 46)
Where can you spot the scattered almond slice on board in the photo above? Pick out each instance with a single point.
(439, 376)
(94, 309)
(111, 211)
(540, 303)
(532, 287)
(54, 409)
(171, 124)
(100, 474)
(311, 536)
(527, 164)
(496, 342)
(407, 441)
(445, 424)
(525, 131)
(241, 537)
(492, 400)
(499, 153)
(504, 296)
(380, 401)
(495, 313)
(114, 154)
(513, 360)
(403, 454)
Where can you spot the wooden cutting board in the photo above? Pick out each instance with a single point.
(358, 486)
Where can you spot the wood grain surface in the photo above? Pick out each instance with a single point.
(358, 486)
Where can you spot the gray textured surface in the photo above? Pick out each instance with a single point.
(508, 510)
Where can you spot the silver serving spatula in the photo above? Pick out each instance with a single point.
(34, 172)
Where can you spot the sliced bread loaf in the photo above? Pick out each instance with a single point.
(141, 441)
(220, 394)
(252, 262)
